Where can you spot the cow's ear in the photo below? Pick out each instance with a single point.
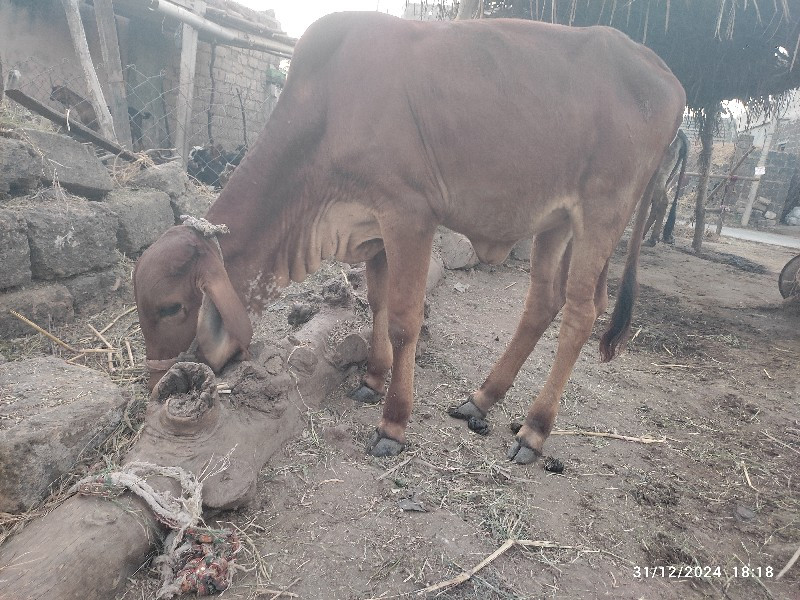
(213, 281)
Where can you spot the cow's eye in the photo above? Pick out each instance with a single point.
(170, 310)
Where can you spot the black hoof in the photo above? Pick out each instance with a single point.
(479, 426)
(650, 243)
(382, 446)
(474, 416)
(515, 426)
(670, 241)
(521, 454)
(466, 411)
(365, 394)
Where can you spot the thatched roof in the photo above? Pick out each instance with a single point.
(719, 49)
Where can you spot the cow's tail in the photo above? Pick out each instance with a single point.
(620, 324)
(669, 226)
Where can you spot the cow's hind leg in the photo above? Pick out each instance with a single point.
(585, 299)
(370, 391)
(408, 252)
(656, 218)
(550, 258)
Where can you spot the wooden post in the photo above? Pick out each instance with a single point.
(109, 45)
(707, 140)
(469, 9)
(762, 162)
(82, 50)
(185, 98)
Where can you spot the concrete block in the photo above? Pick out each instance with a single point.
(143, 216)
(195, 202)
(20, 167)
(72, 164)
(522, 249)
(41, 304)
(91, 291)
(456, 250)
(52, 414)
(70, 236)
(15, 255)
(170, 177)
(435, 273)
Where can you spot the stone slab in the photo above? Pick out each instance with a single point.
(170, 178)
(455, 250)
(20, 167)
(91, 291)
(143, 215)
(42, 305)
(194, 203)
(52, 413)
(15, 255)
(522, 249)
(70, 163)
(70, 236)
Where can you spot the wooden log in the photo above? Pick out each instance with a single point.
(74, 128)
(93, 83)
(87, 547)
(83, 550)
(220, 34)
(109, 46)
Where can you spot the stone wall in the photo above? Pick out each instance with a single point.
(60, 252)
(773, 190)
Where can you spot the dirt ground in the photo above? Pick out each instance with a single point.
(711, 375)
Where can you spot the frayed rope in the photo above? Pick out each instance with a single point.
(195, 559)
(203, 226)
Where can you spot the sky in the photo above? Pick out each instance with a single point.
(295, 16)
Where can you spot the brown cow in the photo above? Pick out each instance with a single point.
(674, 163)
(386, 129)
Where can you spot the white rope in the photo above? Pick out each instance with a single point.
(178, 513)
(203, 226)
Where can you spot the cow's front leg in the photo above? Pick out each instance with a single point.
(370, 390)
(408, 255)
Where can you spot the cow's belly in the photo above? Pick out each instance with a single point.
(348, 232)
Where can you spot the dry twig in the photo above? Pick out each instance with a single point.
(44, 332)
(613, 436)
(508, 544)
(790, 564)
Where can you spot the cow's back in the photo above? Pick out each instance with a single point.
(482, 116)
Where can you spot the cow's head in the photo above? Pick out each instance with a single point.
(186, 303)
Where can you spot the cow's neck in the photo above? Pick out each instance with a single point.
(261, 204)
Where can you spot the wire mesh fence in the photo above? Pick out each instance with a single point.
(227, 112)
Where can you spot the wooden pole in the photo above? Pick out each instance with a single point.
(726, 185)
(109, 46)
(468, 9)
(707, 140)
(92, 82)
(185, 98)
(279, 45)
(74, 128)
(762, 161)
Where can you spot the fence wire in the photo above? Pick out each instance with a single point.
(226, 115)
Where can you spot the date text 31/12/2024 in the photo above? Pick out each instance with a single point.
(682, 572)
